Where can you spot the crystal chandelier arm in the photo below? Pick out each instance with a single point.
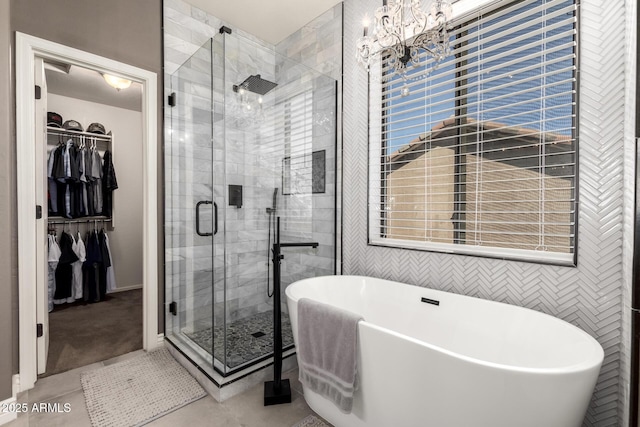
(420, 19)
(363, 51)
(386, 31)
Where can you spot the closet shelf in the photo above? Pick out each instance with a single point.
(59, 131)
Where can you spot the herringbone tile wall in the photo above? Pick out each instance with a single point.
(593, 296)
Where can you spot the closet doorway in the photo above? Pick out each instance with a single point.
(63, 114)
(94, 216)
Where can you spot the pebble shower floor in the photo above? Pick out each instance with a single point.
(247, 339)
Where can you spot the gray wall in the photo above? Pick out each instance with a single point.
(126, 31)
(595, 295)
(8, 263)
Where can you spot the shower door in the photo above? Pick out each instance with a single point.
(252, 138)
(191, 219)
(277, 120)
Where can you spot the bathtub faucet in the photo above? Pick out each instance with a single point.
(279, 390)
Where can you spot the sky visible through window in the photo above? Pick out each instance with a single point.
(515, 87)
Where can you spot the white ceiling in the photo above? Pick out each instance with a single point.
(269, 20)
(89, 85)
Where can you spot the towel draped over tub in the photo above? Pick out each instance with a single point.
(327, 351)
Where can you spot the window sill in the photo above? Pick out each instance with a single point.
(522, 255)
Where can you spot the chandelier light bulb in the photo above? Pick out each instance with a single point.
(366, 21)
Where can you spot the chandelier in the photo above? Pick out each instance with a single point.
(401, 31)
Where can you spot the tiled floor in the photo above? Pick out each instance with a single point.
(243, 410)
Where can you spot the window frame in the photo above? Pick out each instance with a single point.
(465, 12)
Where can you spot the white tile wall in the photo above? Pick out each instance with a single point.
(592, 295)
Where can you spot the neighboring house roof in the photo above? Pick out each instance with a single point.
(501, 140)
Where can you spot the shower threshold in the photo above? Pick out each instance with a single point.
(249, 340)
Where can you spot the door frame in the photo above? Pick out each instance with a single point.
(27, 49)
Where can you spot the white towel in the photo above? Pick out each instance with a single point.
(327, 351)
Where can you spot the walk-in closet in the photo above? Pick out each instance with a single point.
(91, 174)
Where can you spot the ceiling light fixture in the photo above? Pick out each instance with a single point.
(116, 82)
(401, 31)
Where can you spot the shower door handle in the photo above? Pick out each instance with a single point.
(205, 202)
(215, 218)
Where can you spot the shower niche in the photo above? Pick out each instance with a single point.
(241, 112)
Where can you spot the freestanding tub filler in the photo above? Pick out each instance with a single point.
(433, 358)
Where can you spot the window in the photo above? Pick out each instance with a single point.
(480, 156)
(298, 142)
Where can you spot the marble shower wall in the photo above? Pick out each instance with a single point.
(311, 216)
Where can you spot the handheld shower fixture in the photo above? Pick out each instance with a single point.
(271, 211)
(274, 202)
(275, 198)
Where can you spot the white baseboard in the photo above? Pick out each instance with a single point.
(125, 288)
(160, 340)
(15, 384)
(5, 416)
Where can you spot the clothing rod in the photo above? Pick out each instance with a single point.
(58, 131)
(78, 221)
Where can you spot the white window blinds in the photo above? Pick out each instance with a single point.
(479, 155)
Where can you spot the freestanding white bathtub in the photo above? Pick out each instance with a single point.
(466, 362)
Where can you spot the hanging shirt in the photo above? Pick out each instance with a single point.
(64, 271)
(94, 272)
(58, 176)
(111, 275)
(52, 185)
(106, 262)
(96, 173)
(84, 181)
(109, 183)
(67, 178)
(75, 183)
(52, 262)
(79, 250)
(88, 167)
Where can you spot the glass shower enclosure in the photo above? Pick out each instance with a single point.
(252, 137)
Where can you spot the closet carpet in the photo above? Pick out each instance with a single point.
(80, 334)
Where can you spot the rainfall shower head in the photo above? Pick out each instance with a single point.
(255, 84)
